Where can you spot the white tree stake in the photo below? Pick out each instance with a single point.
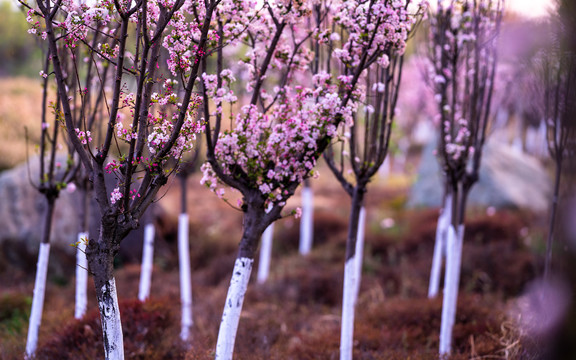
(81, 277)
(37, 300)
(233, 308)
(307, 222)
(185, 276)
(111, 324)
(444, 221)
(348, 305)
(147, 260)
(453, 261)
(359, 250)
(265, 254)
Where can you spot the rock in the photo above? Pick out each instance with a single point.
(22, 210)
(508, 179)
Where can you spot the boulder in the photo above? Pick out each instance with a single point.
(22, 209)
(508, 179)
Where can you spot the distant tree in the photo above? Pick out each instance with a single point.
(292, 114)
(364, 143)
(555, 87)
(463, 59)
(127, 38)
(54, 176)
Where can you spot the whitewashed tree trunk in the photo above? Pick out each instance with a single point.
(450, 300)
(444, 221)
(147, 260)
(359, 250)
(185, 276)
(111, 324)
(81, 277)
(307, 222)
(265, 254)
(348, 307)
(233, 308)
(37, 299)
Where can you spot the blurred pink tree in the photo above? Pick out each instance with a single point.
(463, 59)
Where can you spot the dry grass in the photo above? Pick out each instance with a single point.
(20, 100)
(296, 315)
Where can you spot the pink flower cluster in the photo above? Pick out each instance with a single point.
(461, 33)
(381, 25)
(84, 136)
(278, 149)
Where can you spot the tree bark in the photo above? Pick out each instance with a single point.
(253, 229)
(185, 276)
(147, 261)
(81, 277)
(360, 250)
(40, 280)
(100, 256)
(350, 277)
(552, 223)
(265, 254)
(307, 221)
(450, 300)
(444, 221)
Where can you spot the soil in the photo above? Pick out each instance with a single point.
(296, 313)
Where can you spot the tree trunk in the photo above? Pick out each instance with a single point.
(233, 308)
(253, 229)
(552, 223)
(360, 250)
(350, 277)
(307, 222)
(450, 300)
(147, 260)
(81, 277)
(40, 281)
(100, 256)
(81, 260)
(265, 254)
(37, 300)
(185, 276)
(444, 221)
(110, 317)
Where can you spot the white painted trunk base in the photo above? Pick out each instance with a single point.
(348, 305)
(147, 260)
(450, 300)
(444, 221)
(185, 276)
(359, 250)
(307, 221)
(37, 299)
(81, 277)
(111, 324)
(265, 254)
(233, 308)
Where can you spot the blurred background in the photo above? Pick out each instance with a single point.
(295, 314)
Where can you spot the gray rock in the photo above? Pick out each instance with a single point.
(22, 210)
(508, 179)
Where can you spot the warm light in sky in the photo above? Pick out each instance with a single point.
(530, 8)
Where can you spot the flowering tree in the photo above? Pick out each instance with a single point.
(555, 85)
(160, 124)
(293, 112)
(463, 61)
(273, 141)
(54, 176)
(371, 42)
